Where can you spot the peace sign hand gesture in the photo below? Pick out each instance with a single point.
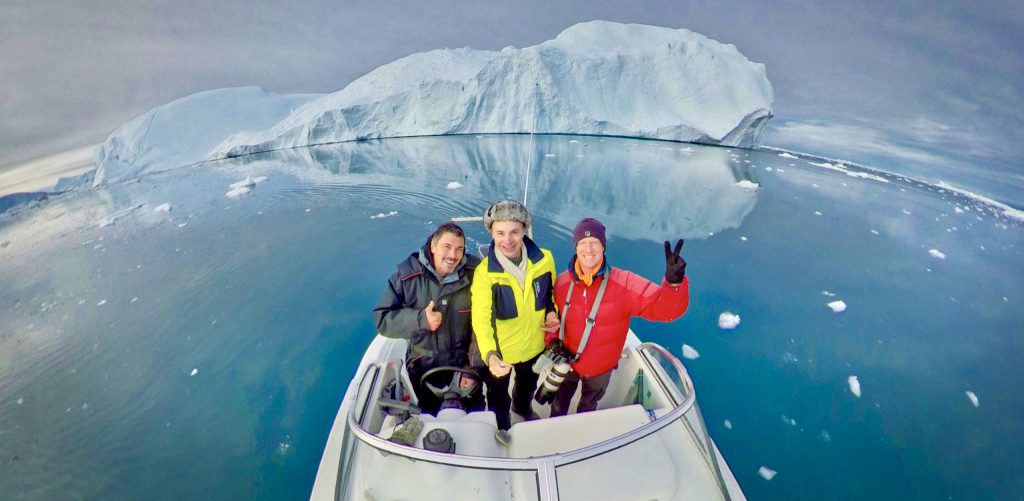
(675, 265)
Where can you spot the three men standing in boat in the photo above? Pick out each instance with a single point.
(516, 302)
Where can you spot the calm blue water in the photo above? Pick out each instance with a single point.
(267, 299)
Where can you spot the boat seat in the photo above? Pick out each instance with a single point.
(568, 433)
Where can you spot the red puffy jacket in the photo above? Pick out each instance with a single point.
(628, 295)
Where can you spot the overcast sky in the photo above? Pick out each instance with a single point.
(921, 88)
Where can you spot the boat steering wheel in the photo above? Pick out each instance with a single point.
(455, 386)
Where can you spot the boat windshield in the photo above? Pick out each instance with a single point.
(663, 453)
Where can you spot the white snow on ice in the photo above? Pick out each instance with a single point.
(454, 185)
(837, 306)
(728, 320)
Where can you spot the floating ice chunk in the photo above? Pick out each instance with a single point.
(817, 213)
(958, 210)
(239, 191)
(134, 299)
(743, 239)
(827, 293)
(571, 141)
(768, 169)
(21, 401)
(728, 424)
(970, 395)
(249, 181)
(788, 420)
(825, 436)
(686, 149)
(747, 184)
(454, 185)
(164, 207)
(854, 385)
(102, 302)
(550, 155)
(937, 254)
(382, 215)
(182, 225)
(689, 352)
(874, 232)
(837, 306)
(309, 210)
(194, 372)
(787, 155)
(728, 320)
(766, 472)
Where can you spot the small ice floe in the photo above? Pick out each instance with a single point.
(825, 436)
(686, 149)
(550, 155)
(102, 302)
(837, 306)
(743, 239)
(182, 225)
(85, 406)
(237, 192)
(164, 207)
(827, 293)
(854, 385)
(728, 320)
(767, 169)
(580, 155)
(689, 352)
(728, 424)
(936, 253)
(21, 401)
(194, 372)
(244, 186)
(905, 211)
(787, 155)
(134, 299)
(970, 396)
(958, 210)
(383, 215)
(571, 141)
(766, 472)
(788, 420)
(454, 185)
(747, 184)
(874, 232)
(817, 213)
(309, 210)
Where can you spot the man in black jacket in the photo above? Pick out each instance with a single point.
(427, 303)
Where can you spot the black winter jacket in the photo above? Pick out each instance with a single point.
(399, 313)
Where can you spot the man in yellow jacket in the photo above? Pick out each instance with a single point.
(513, 304)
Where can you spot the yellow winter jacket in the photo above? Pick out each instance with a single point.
(506, 319)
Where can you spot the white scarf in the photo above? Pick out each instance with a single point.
(517, 271)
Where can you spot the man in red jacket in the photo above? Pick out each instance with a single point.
(612, 296)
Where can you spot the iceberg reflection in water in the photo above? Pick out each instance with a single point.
(203, 347)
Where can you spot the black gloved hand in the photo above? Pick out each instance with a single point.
(675, 265)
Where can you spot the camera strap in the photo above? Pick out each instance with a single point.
(590, 320)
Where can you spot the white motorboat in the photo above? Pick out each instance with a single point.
(647, 440)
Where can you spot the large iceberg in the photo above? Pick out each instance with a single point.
(595, 78)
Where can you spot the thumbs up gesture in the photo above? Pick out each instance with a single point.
(433, 317)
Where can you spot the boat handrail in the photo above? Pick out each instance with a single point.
(531, 463)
